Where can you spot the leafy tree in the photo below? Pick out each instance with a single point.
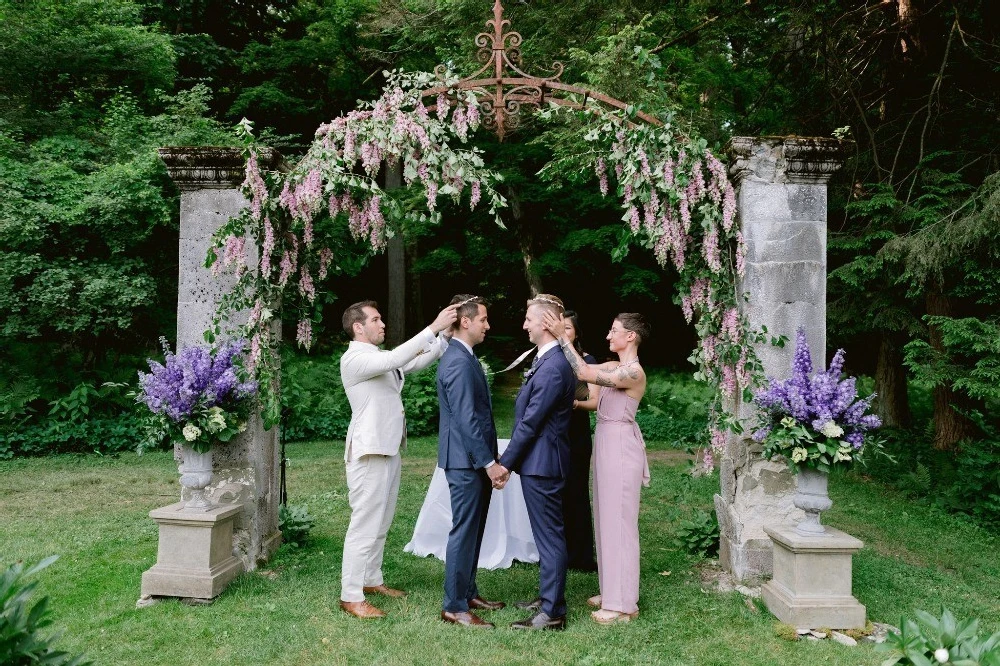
(64, 59)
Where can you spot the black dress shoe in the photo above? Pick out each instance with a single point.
(481, 604)
(533, 605)
(541, 621)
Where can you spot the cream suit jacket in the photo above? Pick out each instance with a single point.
(373, 379)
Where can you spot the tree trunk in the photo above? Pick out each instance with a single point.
(395, 315)
(950, 427)
(525, 239)
(892, 404)
(414, 295)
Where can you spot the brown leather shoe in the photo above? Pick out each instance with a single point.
(466, 619)
(481, 604)
(361, 609)
(384, 591)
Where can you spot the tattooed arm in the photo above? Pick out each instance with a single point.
(610, 374)
(620, 377)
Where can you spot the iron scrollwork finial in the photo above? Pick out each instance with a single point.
(501, 85)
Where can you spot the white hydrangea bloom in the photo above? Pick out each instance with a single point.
(216, 419)
(831, 429)
(191, 432)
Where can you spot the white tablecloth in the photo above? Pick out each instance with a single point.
(508, 532)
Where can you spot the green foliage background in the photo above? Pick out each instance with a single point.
(88, 215)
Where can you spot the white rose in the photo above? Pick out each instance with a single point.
(191, 432)
(941, 654)
(831, 429)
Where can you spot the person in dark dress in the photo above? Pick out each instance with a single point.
(576, 497)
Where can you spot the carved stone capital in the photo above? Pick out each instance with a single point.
(779, 159)
(213, 167)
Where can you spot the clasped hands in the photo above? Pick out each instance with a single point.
(499, 475)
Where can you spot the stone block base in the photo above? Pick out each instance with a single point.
(270, 547)
(195, 555)
(812, 580)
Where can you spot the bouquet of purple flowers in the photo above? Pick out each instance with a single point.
(814, 420)
(196, 396)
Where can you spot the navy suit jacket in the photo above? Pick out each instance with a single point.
(539, 445)
(467, 436)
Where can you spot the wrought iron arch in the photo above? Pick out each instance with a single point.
(502, 87)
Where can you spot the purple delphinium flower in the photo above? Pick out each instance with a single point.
(819, 401)
(193, 378)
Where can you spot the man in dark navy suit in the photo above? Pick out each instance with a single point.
(539, 452)
(467, 452)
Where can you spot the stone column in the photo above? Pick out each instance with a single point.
(247, 469)
(782, 213)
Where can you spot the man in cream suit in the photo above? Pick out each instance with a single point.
(373, 379)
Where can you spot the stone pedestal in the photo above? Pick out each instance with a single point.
(781, 207)
(812, 580)
(247, 469)
(195, 557)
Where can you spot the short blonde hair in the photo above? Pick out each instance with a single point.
(548, 302)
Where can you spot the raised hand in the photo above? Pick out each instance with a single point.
(445, 318)
(555, 325)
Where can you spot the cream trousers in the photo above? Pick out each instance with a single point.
(373, 487)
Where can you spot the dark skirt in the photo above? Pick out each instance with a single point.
(576, 497)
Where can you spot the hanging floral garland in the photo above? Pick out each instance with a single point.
(679, 203)
(309, 222)
(677, 199)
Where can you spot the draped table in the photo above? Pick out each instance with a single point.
(508, 532)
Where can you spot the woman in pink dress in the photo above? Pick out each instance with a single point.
(619, 463)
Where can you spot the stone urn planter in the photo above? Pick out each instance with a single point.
(812, 497)
(196, 475)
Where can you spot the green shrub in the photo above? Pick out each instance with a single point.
(420, 400)
(314, 405)
(975, 489)
(313, 402)
(295, 523)
(940, 641)
(86, 420)
(21, 642)
(699, 536)
(966, 481)
(674, 409)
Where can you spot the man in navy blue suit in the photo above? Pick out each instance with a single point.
(539, 452)
(467, 452)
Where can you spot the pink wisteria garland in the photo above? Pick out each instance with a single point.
(678, 202)
(293, 216)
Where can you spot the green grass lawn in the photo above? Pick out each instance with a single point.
(92, 511)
